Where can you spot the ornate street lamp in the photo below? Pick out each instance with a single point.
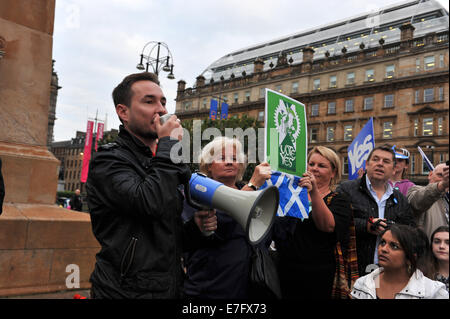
(164, 62)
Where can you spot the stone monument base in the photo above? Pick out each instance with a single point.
(37, 244)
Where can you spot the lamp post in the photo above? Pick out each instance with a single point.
(164, 62)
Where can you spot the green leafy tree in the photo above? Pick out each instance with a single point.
(232, 123)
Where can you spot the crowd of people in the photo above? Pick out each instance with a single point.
(375, 237)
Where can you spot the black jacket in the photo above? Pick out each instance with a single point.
(364, 206)
(135, 206)
(76, 203)
(218, 266)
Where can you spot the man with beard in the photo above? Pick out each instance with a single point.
(375, 204)
(135, 199)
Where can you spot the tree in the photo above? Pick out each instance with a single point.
(233, 124)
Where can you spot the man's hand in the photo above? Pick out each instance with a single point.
(377, 231)
(443, 184)
(172, 127)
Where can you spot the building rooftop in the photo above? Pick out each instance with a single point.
(426, 16)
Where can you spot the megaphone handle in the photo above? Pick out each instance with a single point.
(198, 206)
(207, 233)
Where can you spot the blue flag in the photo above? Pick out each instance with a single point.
(213, 110)
(293, 198)
(359, 150)
(224, 111)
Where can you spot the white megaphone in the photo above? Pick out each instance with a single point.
(254, 211)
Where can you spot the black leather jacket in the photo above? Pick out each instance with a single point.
(135, 206)
(364, 206)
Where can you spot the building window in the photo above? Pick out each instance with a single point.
(416, 127)
(316, 84)
(370, 75)
(427, 128)
(247, 96)
(368, 103)
(417, 96)
(262, 93)
(333, 81)
(387, 130)
(314, 136)
(390, 70)
(345, 166)
(294, 87)
(350, 77)
(428, 95)
(236, 97)
(204, 102)
(417, 65)
(428, 62)
(330, 134)
(441, 93)
(349, 106)
(187, 105)
(440, 126)
(331, 107)
(225, 99)
(278, 88)
(315, 110)
(348, 132)
(261, 116)
(441, 60)
(389, 100)
(425, 169)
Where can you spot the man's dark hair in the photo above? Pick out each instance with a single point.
(382, 148)
(122, 94)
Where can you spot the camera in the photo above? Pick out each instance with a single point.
(375, 225)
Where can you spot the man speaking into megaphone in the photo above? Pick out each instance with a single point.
(218, 268)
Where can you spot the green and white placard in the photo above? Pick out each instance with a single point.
(286, 135)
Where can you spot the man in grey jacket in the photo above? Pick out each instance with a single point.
(430, 203)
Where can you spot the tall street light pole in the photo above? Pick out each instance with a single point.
(164, 62)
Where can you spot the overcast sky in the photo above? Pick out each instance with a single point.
(96, 43)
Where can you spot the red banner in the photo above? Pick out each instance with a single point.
(100, 127)
(87, 151)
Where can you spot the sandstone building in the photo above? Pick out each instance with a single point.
(391, 65)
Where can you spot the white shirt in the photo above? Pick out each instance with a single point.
(418, 287)
(381, 203)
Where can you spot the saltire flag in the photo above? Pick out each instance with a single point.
(285, 149)
(293, 198)
(224, 111)
(99, 136)
(87, 151)
(213, 110)
(427, 161)
(359, 149)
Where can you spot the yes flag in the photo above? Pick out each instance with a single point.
(359, 150)
(293, 198)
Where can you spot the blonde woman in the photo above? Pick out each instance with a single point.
(217, 267)
(306, 247)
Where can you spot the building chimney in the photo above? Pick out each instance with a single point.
(200, 81)
(308, 55)
(406, 32)
(181, 85)
(258, 65)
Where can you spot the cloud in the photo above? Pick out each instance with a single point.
(97, 43)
